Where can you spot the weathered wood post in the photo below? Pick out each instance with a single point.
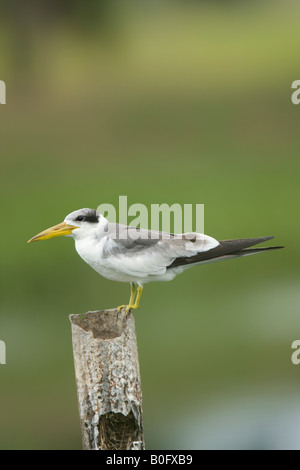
(108, 380)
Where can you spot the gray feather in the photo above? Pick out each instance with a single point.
(227, 249)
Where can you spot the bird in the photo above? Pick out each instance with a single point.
(131, 254)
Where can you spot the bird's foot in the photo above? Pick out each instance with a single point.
(127, 308)
(120, 307)
(131, 305)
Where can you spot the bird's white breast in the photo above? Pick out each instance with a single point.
(91, 251)
(123, 268)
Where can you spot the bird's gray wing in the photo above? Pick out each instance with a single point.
(143, 252)
(128, 240)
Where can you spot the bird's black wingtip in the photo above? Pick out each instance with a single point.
(264, 239)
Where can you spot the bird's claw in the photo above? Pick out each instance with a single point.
(127, 308)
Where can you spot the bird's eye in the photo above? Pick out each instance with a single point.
(80, 218)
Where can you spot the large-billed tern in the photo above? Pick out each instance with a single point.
(129, 254)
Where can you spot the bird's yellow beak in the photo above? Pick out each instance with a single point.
(56, 231)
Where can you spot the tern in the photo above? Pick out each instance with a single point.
(138, 256)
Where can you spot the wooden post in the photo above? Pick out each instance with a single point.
(108, 380)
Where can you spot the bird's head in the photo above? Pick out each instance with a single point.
(78, 224)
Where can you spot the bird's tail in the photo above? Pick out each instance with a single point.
(227, 249)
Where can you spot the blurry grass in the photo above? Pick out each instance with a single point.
(211, 48)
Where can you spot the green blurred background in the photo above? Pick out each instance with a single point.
(182, 101)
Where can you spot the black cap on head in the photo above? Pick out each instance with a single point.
(88, 215)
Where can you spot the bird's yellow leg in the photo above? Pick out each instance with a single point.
(132, 294)
(130, 304)
(138, 297)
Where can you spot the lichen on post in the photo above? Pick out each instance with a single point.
(108, 380)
